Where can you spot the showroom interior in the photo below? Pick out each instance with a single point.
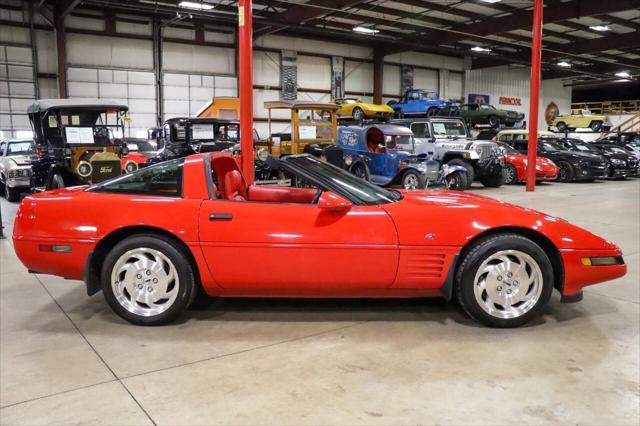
(382, 250)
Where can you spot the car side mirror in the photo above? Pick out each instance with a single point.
(333, 202)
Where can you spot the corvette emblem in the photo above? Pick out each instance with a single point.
(430, 236)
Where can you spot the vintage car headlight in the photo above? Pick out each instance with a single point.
(84, 168)
(19, 173)
(479, 150)
(348, 160)
(262, 154)
(130, 166)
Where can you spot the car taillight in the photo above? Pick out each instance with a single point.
(39, 152)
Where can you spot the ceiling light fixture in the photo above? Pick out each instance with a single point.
(491, 1)
(623, 74)
(599, 27)
(365, 30)
(195, 5)
(564, 64)
(480, 49)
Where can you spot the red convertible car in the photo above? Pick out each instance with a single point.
(515, 168)
(330, 234)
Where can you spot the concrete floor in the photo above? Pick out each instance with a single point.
(67, 359)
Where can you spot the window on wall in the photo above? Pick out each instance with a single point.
(17, 89)
(187, 94)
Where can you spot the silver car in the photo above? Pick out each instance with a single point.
(15, 167)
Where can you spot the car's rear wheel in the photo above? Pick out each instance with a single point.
(412, 179)
(358, 114)
(147, 280)
(595, 126)
(566, 172)
(561, 126)
(510, 174)
(494, 122)
(470, 172)
(457, 181)
(504, 281)
(432, 112)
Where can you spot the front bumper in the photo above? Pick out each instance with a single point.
(19, 182)
(622, 172)
(578, 276)
(591, 172)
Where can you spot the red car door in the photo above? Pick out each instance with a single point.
(288, 246)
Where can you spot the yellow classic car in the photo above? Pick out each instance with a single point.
(581, 118)
(358, 110)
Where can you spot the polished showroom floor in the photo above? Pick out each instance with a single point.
(67, 359)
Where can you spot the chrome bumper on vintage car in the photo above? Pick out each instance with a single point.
(18, 182)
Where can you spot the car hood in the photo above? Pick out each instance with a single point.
(583, 156)
(377, 108)
(21, 160)
(452, 218)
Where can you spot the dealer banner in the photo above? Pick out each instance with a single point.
(289, 75)
(337, 77)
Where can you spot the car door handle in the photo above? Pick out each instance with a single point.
(220, 216)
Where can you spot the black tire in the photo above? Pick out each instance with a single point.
(494, 122)
(566, 172)
(457, 181)
(561, 126)
(361, 171)
(477, 254)
(470, 172)
(179, 259)
(595, 126)
(412, 179)
(510, 174)
(11, 194)
(493, 181)
(432, 112)
(357, 114)
(398, 113)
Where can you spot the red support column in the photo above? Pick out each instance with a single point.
(534, 94)
(245, 63)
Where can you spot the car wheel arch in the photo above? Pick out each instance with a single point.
(95, 261)
(537, 237)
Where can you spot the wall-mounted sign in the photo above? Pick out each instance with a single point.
(551, 112)
(478, 99)
(505, 100)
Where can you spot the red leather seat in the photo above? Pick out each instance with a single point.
(235, 187)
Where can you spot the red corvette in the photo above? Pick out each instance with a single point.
(329, 235)
(515, 169)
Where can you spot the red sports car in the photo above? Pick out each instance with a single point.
(515, 168)
(330, 234)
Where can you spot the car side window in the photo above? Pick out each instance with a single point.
(420, 130)
(162, 179)
(2, 146)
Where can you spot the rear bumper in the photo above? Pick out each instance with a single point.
(33, 254)
(578, 276)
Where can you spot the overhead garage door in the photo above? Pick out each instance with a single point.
(17, 90)
(186, 94)
(133, 88)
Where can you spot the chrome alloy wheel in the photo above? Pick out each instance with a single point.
(510, 174)
(411, 181)
(508, 284)
(145, 282)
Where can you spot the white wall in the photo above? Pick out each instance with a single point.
(515, 83)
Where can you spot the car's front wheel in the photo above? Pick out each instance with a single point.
(11, 194)
(504, 281)
(595, 126)
(466, 165)
(413, 179)
(358, 114)
(566, 172)
(561, 126)
(457, 181)
(147, 280)
(510, 174)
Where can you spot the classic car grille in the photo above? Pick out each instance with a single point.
(485, 152)
(334, 155)
(103, 170)
(425, 265)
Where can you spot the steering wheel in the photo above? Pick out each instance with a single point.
(316, 198)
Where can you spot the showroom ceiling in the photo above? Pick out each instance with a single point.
(584, 40)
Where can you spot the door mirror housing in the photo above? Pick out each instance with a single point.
(333, 202)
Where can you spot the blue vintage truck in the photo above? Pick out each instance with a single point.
(385, 155)
(419, 102)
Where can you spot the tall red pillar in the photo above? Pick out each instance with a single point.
(245, 63)
(534, 94)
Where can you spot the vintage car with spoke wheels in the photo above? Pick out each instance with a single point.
(499, 261)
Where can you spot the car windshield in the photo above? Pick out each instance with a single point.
(20, 148)
(162, 179)
(616, 150)
(328, 176)
(549, 146)
(581, 146)
(399, 142)
(485, 106)
(449, 128)
(428, 94)
(351, 101)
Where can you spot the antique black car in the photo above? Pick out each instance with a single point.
(621, 163)
(76, 141)
(573, 165)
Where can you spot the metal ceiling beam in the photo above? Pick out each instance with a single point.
(66, 6)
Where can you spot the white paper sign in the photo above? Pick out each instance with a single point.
(79, 135)
(202, 131)
(307, 132)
